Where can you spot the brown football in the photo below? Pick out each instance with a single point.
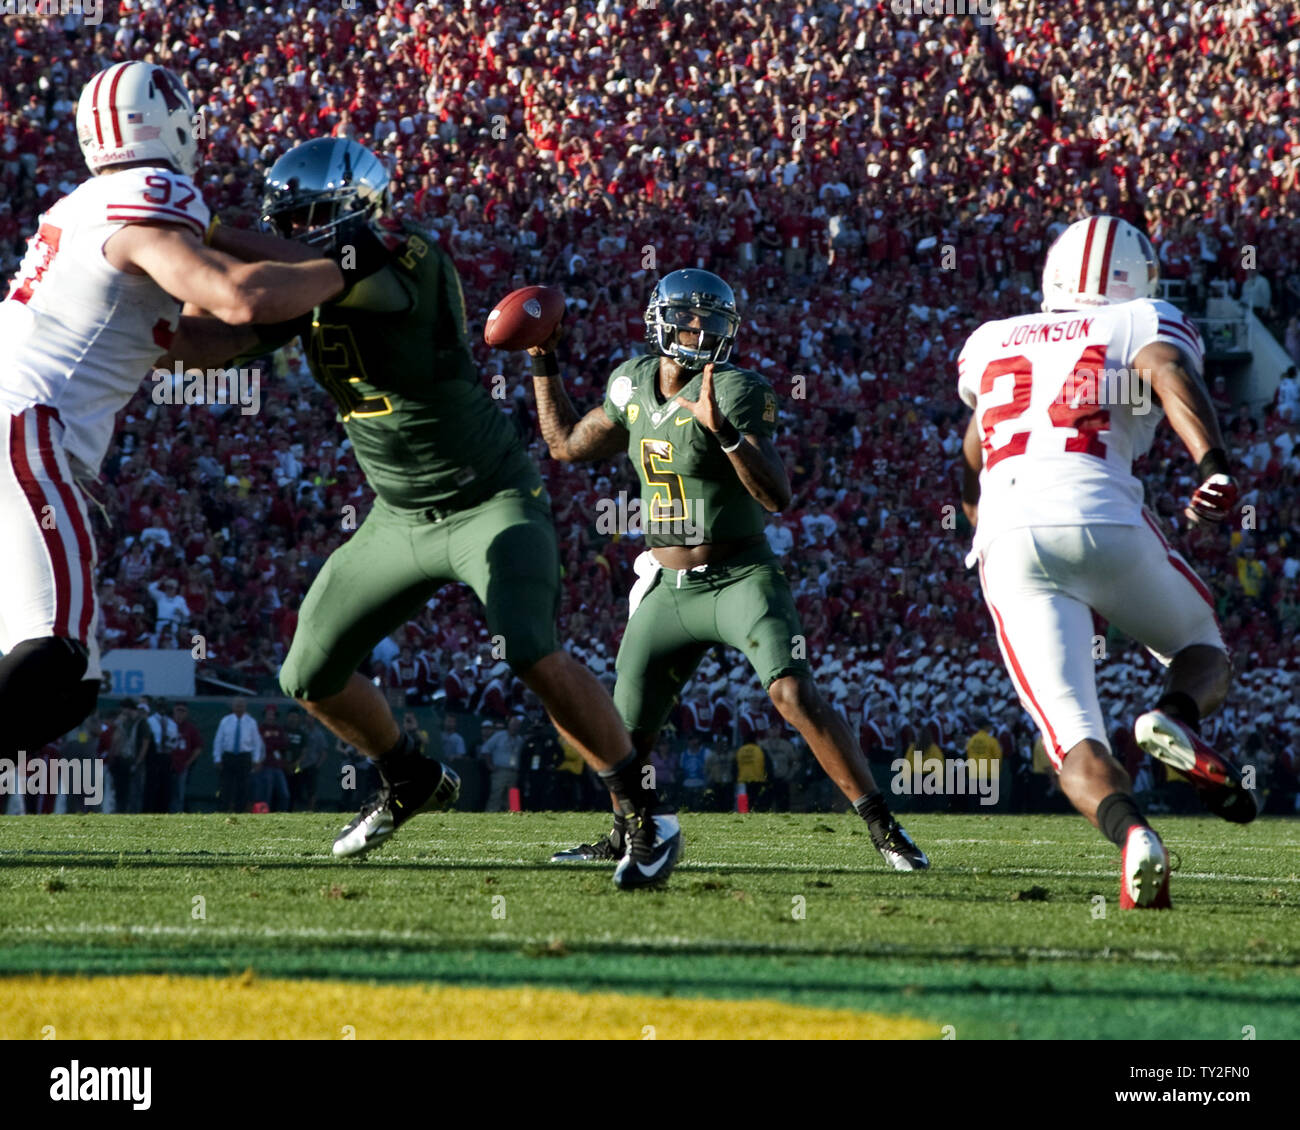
(524, 318)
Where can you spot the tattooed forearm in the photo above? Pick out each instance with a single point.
(570, 438)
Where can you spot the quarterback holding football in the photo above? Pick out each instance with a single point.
(699, 430)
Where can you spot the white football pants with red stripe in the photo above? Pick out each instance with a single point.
(47, 569)
(1042, 585)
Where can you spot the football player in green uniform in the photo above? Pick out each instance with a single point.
(459, 499)
(699, 433)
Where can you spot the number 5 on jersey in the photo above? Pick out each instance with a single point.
(669, 500)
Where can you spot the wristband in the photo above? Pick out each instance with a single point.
(1213, 462)
(545, 364)
(730, 439)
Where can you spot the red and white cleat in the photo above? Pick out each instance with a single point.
(1144, 882)
(1215, 778)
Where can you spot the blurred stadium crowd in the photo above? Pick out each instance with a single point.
(873, 184)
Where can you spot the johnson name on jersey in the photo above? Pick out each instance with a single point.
(1062, 413)
(80, 335)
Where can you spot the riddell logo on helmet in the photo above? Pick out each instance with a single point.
(115, 156)
(90, 11)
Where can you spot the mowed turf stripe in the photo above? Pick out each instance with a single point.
(626, 944)
(247, 1008)
(987, 999)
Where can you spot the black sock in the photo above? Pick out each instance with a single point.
(1116, 814)
(873, 809)
(624, 781)
(1181, 707)
(397, 763)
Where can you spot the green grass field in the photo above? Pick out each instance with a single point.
(1003, 938)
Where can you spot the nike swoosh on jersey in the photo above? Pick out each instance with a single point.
(538, 491)
(683, 420)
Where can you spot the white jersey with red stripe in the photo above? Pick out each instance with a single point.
(47, 570)
(1062, 414)
(80, 334)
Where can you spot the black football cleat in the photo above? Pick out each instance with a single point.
(897, 849)
(427, 790)
(608, 848)
(654, 844)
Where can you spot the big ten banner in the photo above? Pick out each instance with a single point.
(161, 672)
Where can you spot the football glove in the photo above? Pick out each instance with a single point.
(1214, 500)
(359, 249)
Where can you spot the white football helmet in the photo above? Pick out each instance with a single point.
(137, 112)
(1096, 262)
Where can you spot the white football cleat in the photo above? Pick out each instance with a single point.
(1144, 878)
(1217, 780)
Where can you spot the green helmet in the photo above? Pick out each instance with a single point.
(695, 302)
(322, 185)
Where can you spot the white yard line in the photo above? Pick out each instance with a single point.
(983, 873)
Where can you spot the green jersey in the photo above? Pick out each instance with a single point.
(690, 493)
(426, 432)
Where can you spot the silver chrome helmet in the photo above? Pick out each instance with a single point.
(319, 186)
(695, 302)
